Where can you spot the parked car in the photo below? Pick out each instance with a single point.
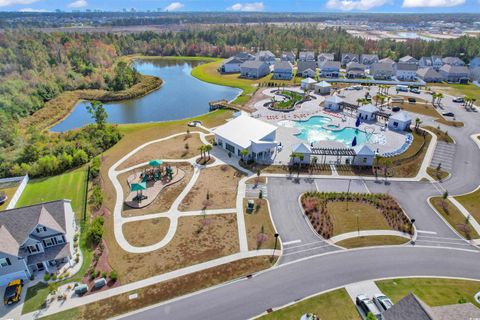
(458, 100)
(382, 302)
(13, 292)
(448, 114)
(415, 90)
(396, 109)
(412, 100)
(367, 306)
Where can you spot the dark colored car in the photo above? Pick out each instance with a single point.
(415, 90)
(448, 114)
(13, 292)
(412, 100)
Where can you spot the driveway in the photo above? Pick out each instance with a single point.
(13, 311)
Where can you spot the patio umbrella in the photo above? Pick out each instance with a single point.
(357, 123)
(139, 187)
(354, 141)
(155, 163)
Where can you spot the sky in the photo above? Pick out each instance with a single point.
(427, 6)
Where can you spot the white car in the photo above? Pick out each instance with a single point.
(458, 100)
(367, 306)
(382, 302)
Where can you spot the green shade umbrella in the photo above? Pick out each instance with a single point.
(155, 163)
(138, 186)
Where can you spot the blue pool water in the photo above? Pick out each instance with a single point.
(312, 130)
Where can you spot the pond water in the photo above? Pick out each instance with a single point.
(313, 130)
(181, 96)
(413, 35)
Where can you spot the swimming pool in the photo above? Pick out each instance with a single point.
(312, 130)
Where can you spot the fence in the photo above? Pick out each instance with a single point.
(20, 189)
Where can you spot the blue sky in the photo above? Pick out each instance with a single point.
(435, 6)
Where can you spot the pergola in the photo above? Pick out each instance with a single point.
(335, 152)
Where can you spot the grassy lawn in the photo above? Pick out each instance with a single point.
(333, 305)
(369, 217)
(35, 297)
(471, 202)
(156, 293)
(368, 241)
(70, 185)
(254, 222)
(441, 135)
(434, 292)
(9, 191)
(454, 217)
(459, 90)
(438, 175)
(146, 232)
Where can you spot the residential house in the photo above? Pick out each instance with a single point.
(307, 83)
(382, 71)
(288, 56)
(265, 56)
(474, 63)
(247, 133)
(282, 70)
(411, 307)
(387, 60)
(306, 68)
(333, 103)
(330, 69)
(322, 88)
(455, 74)
(231, 65)
(35, 238)
(429, 75)
(355, 70)
(453, 61)
(400, 121)
(408, 59)
(367, 112)
(475, 74)
(368, 59)
(437, 62)
(306, 56)
(324, 57)
(406, 71)
(254, 69)
(425, 62)
(349, 57)
(245, 56)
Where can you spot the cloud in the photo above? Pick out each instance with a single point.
(431, 3)
(348, 5)
(32, 10)
(4, 3)
(253, 6)
(174, 6)
(78, 4)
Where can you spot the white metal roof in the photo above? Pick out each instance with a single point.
(244, 129)
(363, 150)
(401, 116)
(368, 108)
(323, 84)
(308, 80)
(301, 148)
(334, 99)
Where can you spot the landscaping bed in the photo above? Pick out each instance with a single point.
(260, 230)
(180, 147)
(471, 202)
(454, 217)
(222, 194)
(164, 199)
(292, 98)
(441, 135)
(369, 241)
(437, 174)
(145, 232)
(334, 213)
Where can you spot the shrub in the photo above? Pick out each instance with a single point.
(54, 277)
(46, 276)
(104, 274)
(113, 276)
(95, 230)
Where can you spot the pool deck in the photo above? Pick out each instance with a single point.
(286, 133)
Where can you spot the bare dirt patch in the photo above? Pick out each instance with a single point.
(198, 239)
(260, 231)
(165, 198)
(180, 147)
(145, 232)
(216, 188)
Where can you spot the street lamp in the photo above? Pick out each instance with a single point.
(275, 246)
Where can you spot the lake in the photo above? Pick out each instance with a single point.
(181, 96)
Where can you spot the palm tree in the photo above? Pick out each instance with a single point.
(202, 151)
(208, 148)
(439, 98)
(434, 97)
(244, 153)
(418, 122)
(362, 101)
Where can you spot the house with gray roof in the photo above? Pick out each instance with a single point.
(305, 68)
(288, 56)
(455, 74)
(368, 59)
(408, 59)
(254, 69)
(35, 238)
(387, 60)
(429, 75)
(265, 56)
(306, 56)
(231, 65)
(322, 58)
(349, 57)
(382, 71)
(330, 69)
(435, 62)
(355, 70)
(453, 61)
(406, 71)
(411, 307)
(282, 70)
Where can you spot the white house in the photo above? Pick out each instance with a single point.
(324, 57)
(307, 84)
(245, 132)
(364, 156)
(254, 69)
(333, 103)
(306, 56)
(400, 121)
(367, 112)
(406, 71)
(408, 59)
(265, 56)
(304, 66)
(35, 238)
(322, 88)
(429, 75)
(382, 71)
(303, 149)
(330, 69)
(355, 70)
(231, 65)
(282, 70)
(288, 56)
(455, 74)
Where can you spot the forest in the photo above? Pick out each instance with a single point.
(36, 67)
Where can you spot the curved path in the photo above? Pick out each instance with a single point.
(439, 250)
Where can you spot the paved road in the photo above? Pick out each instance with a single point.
(287, 283)
(444, 155)
(439, 250)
